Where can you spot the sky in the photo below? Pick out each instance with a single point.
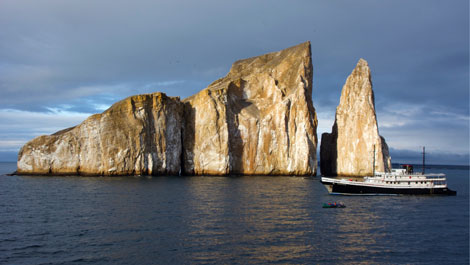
(63, 60)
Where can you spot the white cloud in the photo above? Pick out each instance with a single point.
(101, 107)
(18, 127)
(410, 126)
(167, 83)
(325, 123)
(447, 115)
(11, 145)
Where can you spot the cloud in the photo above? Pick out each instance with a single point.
(18, 127)
(408, 126)
(11, 145)
(415, 156)
(82, 56)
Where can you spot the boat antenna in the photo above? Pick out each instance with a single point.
(424, 155)
(373, 165)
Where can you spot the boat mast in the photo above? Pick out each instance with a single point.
(424, 155)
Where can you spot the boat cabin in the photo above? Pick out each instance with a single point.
(408, 168)
(401, 177)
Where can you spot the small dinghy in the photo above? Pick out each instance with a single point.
(334, 205)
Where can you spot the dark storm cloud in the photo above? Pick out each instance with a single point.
(81, 56)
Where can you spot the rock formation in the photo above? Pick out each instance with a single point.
(349, 149)
(138, 135)
(257, 120)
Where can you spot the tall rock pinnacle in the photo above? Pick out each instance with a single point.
(257, 120)
(349, 149)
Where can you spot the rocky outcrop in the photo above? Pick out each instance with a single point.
(138, 135)
(349, 149)
(257, 120)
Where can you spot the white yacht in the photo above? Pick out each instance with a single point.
(399, 181)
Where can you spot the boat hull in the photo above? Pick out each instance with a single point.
(337, 188)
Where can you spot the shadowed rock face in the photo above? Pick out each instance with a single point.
(257, 120)
(348, 150)
(138, 135)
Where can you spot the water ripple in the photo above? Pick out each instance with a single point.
(222, 220)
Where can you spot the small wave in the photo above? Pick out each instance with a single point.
(89, 260)
(28, 247)
(8, 240)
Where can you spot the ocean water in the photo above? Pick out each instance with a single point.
(225, 220)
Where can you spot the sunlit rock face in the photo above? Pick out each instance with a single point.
(349, 149)
(257, 120)
(138, 135)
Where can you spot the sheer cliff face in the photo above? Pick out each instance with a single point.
(349, 149)
(257, 120)
(138, 135)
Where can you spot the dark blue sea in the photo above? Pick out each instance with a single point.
(225, 220)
